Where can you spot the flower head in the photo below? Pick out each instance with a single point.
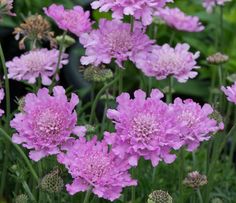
(217, 58)
(230, 92)
(175, 18)
(210, 4)
(159, 196)
(34, 64)
(143, 9)
(194, 121)
(195, 180)
(75, 20)
(6, 7)
(113, 40)
(94, 167)
(46, 123)
(164, 61)
(1, 98)
(144, 128)
(34, 28)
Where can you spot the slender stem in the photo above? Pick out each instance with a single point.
(20, 151)
(169, 95)
(120, 81)
(132, 189)
(181, 175)
(131, 23)
(199, 196)
(59, 60)
(92, 114)
(87, 195)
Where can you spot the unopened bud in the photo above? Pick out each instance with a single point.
(67, 42)
(216, 200)
(217, 58)
(159, 196)
(21, 199)
(195, 180)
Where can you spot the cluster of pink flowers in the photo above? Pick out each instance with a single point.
(230, 92)
(114, 40)
(92, 166)
(149, 128)
(46, 123)
(143, 9)
(175, 18)
(1, 98)
(164, 61)
(34, 64)
(75, 20)
(210, 4)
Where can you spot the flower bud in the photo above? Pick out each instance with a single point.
(68, 41)
(159, 196)
(21, 199)
(195, 180)
(217, 58)
(52, 182)
(216, 200)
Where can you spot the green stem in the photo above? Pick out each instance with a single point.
(131, 23)
(181, 175)
(120, 80)
(92, 114)
(20, 151)
(199, 196)
(87, 195)
(169, 95)
(59, 60)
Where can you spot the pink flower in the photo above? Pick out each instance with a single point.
(175, 18)
(230, 92)
(34, 64)
(195, 122)
(93, 166)
(1, 98)
(6, 7)
(113, 40)
(143, 9)
(46, 123)
(145, 127)
(75, 20)
(164, 61)
(210, 4)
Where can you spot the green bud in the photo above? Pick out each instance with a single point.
(68, 41)
(216, 200)
(90, 129)
(159, 196)
(21, 199)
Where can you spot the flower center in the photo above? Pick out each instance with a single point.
(35, 61)
(188, 117)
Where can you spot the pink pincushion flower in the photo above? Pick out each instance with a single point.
(210, 4)
(143, 9)
(6, 7)
(175, 18)
(144, 128)
(195, 122)
(164, 61)
(230, 92)
(113, 40)
(75, 20)
(1, 98)
(46, 122)
(92, 166)
(34, 64)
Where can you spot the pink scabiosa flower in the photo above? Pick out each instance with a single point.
(1, 98)
(230, 92)
(175, 18)
(195, 122)
(34, 64)
(92, 166)
(210, 4)
(113, 40)
(75, 20)
(46, 122)
(143, 9)
(164, 61)
(6, 7)
(144, 128)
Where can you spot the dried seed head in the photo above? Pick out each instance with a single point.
(21, 104)
(195, 180)
(97, 74)
(159, 196)
(67, 42)
(52, 182)
(36, 29)
(21, 199)
(217, 58)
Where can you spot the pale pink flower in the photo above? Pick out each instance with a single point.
(165, 61)
(93, 166)
(175, 18)
(210, 4)
(140, 9)
(40, 63)
(46, 122)
(114, 40)
(145, 127)
(75, 20)
(1, 98)
(230, 92)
